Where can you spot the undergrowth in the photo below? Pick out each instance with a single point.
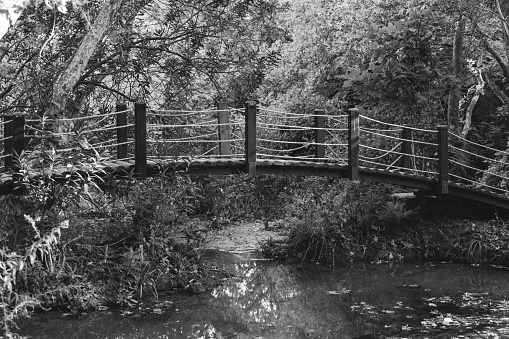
(340, 221)
(87, 241)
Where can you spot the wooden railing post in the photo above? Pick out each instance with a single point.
(14, 146)
(18, 139)
(443, 160)
(8, 142)
(320, 133)
(223, 118)
(250, 144)
(353, 144)
(140, 139)
(406, 148)
(121, 130)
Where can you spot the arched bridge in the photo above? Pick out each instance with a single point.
(140, 142)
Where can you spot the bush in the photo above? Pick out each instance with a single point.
(342, 220)
(83, 241)
(31, 225)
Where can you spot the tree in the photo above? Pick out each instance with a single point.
(403, 79)
(323, 40)
(160, 51)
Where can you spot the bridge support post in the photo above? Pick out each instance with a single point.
(121, 109)
(140, 139)
(250, 144)
(223, 118)
(14, 145)
(443, 160)
(406, 148)
(320, 134)
(353, 144)
(8, 142)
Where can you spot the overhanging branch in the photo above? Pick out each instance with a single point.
(103, 86)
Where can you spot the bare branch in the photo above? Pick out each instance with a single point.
(102, 85)
(498, 92)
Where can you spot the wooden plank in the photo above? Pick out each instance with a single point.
(320, 133)
(8, 147)
(140, 137)
(443, 159)
(250, 142)
(406, 148)
(223, 117)
(122, 131)
(353, 144)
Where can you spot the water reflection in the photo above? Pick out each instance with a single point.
(269, 300)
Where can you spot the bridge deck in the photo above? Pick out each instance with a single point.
(213, 166)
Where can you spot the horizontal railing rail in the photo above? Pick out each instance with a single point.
(140, 136)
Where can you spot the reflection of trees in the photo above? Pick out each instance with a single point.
(280, 301)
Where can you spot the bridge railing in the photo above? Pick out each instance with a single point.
(139, 135)
(217, 133)
(316, 136)
(478, 165)
(387, 146)
(66, 142)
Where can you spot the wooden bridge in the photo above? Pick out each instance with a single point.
(139, 142)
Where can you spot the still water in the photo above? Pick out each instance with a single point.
(266, 299)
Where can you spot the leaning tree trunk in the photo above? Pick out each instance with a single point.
(68, 79)
(453, 104)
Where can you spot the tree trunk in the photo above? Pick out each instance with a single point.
(453, 114)
(479, 89)
(68, 79)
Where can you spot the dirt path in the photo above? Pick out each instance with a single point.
(241, 238)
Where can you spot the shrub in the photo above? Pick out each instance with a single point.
(340, 220)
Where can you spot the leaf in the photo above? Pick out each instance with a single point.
(347, 84)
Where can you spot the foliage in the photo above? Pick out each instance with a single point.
(342, 221)
(232, 198)
(322, 40)
(406, 70)
(33, 223)
(484, 242)
(89, 240)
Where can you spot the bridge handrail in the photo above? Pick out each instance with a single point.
(477, 144)
(399, 126)
(400, 148)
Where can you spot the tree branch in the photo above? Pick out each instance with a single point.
(498, 92)
(6, 91)
(494, 54)
(103, 86)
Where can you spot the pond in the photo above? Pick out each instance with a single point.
(266, 299)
